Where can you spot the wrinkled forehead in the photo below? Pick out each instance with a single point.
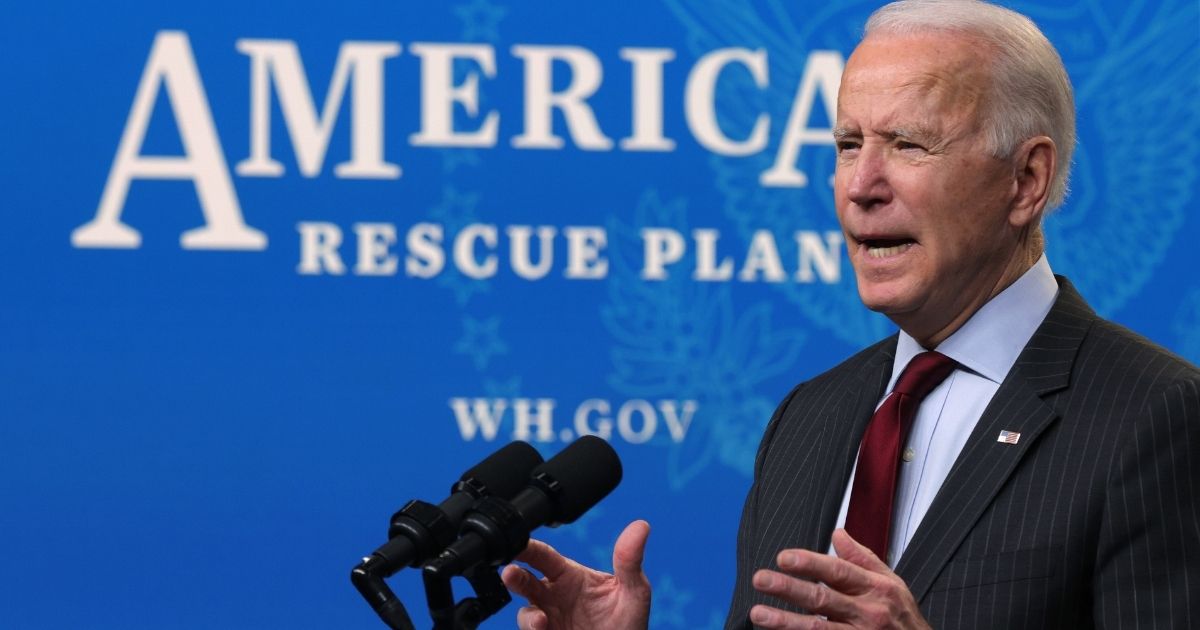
(922, 75)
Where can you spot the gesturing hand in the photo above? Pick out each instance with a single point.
(853, 590)
(571, 596)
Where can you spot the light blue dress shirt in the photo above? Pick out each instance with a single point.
(986, 347)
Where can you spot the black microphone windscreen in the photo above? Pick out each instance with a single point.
(505, 472)
(586, 471)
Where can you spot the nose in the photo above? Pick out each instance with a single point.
(866, 178)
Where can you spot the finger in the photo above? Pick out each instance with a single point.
(545, 559)
(531, 618)
(811, 596)
(523, 583)
(853, 551)
(838, 573)
(629, 552)
(768, 617)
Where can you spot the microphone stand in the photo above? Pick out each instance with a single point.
(368, 579)
(493, 524)
(490, 594)
(424, 523)
(490, 597)
(417, 531)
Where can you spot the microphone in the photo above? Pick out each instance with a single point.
(429, 529)
(420, 530)
(558, 492)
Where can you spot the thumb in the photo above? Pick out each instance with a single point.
(856, 553)
(629, 552)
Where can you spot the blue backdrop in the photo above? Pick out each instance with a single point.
(270, 270)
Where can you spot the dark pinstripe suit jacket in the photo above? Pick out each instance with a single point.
(1091, 519)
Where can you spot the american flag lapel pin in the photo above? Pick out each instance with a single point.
(1009, 437)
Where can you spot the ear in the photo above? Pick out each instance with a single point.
(1033, 163)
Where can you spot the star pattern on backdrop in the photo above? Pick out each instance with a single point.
(481, 341)
(670, 604)
(456, 209)
(481, 20)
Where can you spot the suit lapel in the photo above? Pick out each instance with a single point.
(985, 463)
(845, 430)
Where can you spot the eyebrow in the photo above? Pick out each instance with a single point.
(910, 133)
(841, 133)
(906, 133)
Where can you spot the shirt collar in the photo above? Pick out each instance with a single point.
(992, 339)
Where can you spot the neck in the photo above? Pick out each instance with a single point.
(930, 336)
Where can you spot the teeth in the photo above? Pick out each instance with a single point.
(884, 252)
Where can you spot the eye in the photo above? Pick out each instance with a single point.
(906, 145)
(847, 145)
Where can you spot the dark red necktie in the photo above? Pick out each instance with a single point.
(869, 518)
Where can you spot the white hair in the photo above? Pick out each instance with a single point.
(1031, 94)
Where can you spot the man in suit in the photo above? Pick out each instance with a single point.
(1008, 459)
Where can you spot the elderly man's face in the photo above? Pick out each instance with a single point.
(923, 204)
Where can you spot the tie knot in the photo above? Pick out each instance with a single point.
(925, 372)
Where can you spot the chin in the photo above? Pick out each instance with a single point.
(874, 296)
(881, 300)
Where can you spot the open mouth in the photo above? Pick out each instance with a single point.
(883, 248)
